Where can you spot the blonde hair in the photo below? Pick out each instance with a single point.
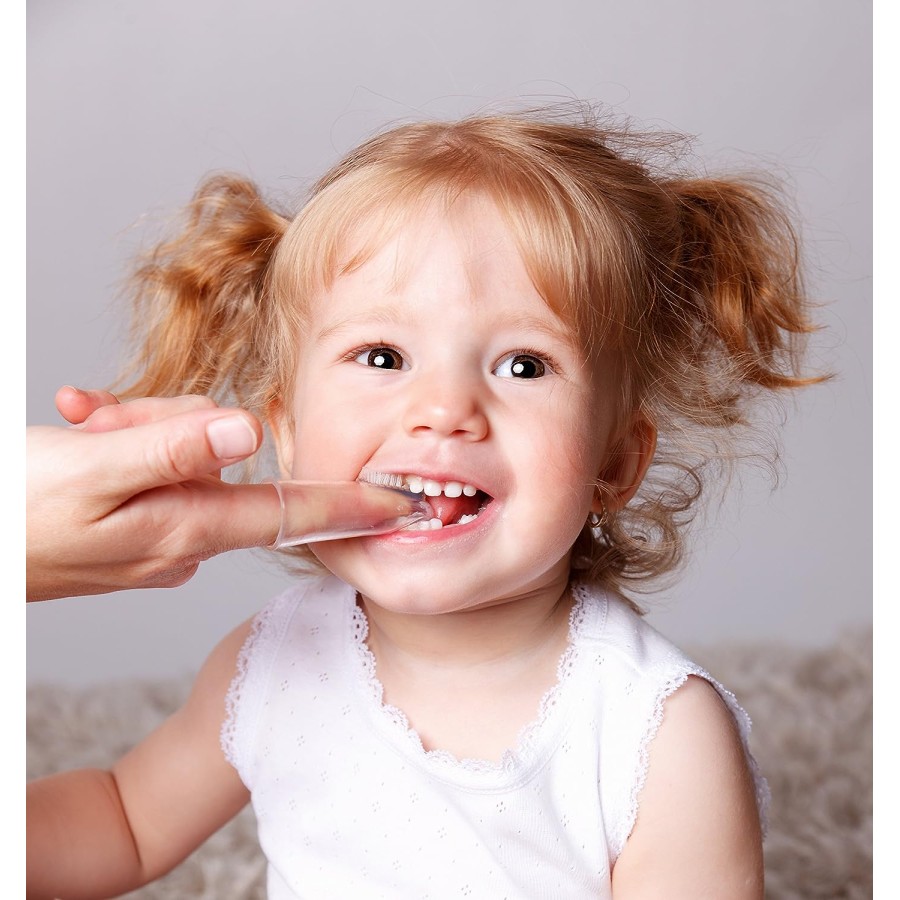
(693, 283)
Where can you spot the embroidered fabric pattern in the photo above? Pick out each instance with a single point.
(528, 742)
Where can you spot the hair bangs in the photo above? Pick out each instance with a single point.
(571, 246)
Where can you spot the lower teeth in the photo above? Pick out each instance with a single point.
(425, 525)
(435, 524)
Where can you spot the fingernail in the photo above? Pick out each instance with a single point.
(231, 437)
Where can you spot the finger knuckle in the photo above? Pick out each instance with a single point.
(173, 454)
(198, 401)
(104, 418)
(182, 575)
(171, 564)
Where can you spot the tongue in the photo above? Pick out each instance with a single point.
(449, 509)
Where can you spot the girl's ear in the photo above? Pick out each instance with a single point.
(282, 434)
(627, 467)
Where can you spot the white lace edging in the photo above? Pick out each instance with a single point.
(528, 743)
(244, 689)
(761, 786)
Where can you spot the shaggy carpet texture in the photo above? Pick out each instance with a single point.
(812, 736)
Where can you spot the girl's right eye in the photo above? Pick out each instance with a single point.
(380, 358)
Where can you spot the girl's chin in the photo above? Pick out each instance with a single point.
(413, 592)
(416, 598)
(420, 591)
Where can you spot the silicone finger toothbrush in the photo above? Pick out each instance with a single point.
(324, 511)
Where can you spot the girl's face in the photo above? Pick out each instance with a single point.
(437, 360)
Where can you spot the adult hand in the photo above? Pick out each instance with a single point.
(131, 496)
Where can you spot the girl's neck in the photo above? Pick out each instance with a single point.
(494, 635)
(469, 682)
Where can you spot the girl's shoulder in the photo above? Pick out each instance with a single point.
(609, 627)
(309, 596)
(615, 637)
(309, 605)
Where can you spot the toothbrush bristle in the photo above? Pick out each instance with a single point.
(383, 479)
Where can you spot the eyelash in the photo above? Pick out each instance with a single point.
(549, 362)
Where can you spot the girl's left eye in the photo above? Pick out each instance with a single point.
(380, 358)
(521, 365)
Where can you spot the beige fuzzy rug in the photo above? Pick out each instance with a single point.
(812, 736)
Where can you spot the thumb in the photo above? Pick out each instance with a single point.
(179, 448)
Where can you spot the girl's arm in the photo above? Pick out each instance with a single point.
(697, 833)
(96, 833)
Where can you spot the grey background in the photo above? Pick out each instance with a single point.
(130, 104)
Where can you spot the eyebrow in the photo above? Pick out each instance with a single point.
(394, 315)
(382, 315)
(553, 329)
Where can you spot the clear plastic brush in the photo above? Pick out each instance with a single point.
(326, 511)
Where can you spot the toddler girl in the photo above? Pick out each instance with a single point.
(519, 317)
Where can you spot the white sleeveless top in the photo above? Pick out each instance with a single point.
(349, 804)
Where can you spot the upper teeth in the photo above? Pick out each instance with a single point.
(430, 488)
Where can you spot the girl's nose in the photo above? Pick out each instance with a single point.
(446, 407)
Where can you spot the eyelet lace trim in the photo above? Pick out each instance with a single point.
(262, 632)
(528, 742)
(642, 765)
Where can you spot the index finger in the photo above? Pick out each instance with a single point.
(75, 404)
(143, 411)
(173, 450)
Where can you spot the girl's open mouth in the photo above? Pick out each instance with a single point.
(454, 502)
